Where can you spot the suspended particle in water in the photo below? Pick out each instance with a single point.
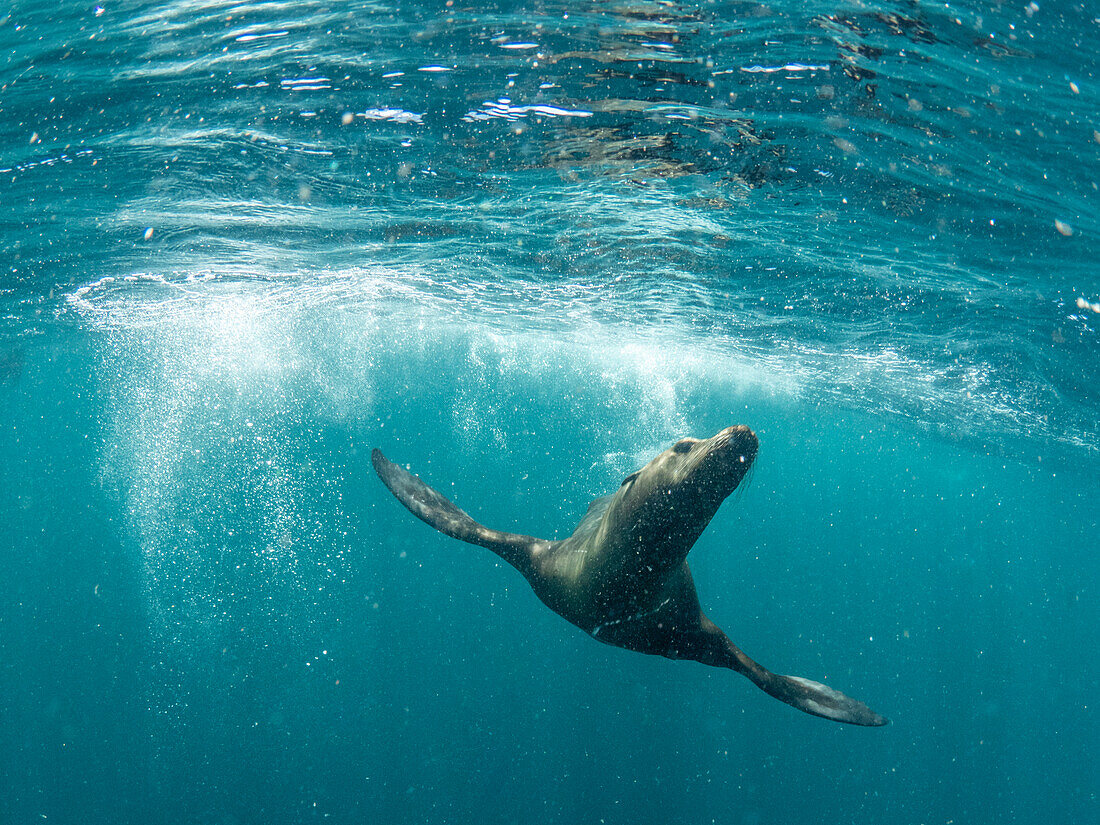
(1063, 227)
(148, 233)
(846, 146)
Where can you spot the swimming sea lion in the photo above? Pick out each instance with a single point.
(622, 577)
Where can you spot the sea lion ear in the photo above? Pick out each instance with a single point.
(630, 478)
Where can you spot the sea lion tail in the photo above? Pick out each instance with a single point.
(433, 507)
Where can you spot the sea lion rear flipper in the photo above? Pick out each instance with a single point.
(432, 507)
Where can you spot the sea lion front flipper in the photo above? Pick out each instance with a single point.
(434, 508)
(812, 697)
(821, 700)
(715, 648)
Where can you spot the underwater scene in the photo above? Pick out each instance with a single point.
(537, 254)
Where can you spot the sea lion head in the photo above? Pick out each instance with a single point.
(674, 497)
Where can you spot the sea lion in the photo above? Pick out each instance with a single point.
(622, 577)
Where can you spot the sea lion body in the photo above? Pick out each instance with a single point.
(623, 577)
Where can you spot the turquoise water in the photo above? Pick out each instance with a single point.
(524, 249)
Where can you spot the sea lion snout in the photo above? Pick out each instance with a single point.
(718, 464)
(738, 445)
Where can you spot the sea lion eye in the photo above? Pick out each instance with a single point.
(681, 447)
